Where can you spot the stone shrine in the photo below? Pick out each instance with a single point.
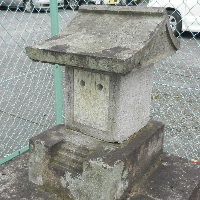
(107, 142)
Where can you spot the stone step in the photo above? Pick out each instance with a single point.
(68, 147)
(72, 156)
(68, 164)
(61, 170)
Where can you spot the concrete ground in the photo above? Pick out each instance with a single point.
(174, 179)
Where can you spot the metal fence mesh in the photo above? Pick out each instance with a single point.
(176, 92)
(27, 100)
(27, 96)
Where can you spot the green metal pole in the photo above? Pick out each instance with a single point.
(54, 17)
(56, 68)
(13, 155)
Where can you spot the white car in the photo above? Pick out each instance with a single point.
(184, 15)
(30, 5)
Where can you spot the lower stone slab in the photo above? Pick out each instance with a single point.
(79, 166)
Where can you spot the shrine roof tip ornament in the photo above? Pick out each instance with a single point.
(116, 39)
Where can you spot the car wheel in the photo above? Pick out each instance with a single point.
(175, 21)
(73, 4)
(102, 2)
(28, 6)
(136, 3)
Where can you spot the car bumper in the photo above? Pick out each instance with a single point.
(45, 6)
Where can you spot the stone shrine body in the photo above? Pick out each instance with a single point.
(107, 142)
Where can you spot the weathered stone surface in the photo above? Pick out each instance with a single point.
(108, 106)
(116, 39)
(141, 197)
(14, 184)
(82, 167)
(109, 54)
(39, 159)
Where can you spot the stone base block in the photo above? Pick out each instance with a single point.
(78, 166)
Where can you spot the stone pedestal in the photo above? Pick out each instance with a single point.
(107, 142)
(77, 166)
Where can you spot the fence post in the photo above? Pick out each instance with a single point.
(56, 68)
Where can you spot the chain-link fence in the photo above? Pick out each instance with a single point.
(176, 92)
(27, 102)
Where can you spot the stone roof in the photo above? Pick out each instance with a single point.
(115, 39)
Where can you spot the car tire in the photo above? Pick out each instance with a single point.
(73, 4)
(129, 2)
(136, 3)
(175, 21)
(28, 6)
(102, 2)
